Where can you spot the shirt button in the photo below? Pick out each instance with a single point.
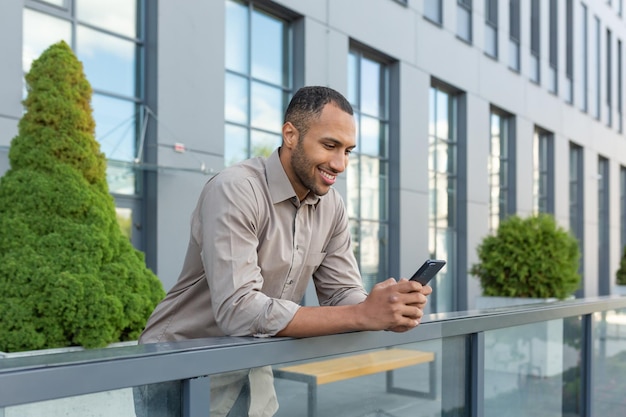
(290, 282)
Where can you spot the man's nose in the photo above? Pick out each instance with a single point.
(339, 162)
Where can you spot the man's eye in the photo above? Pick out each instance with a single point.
(329, 146)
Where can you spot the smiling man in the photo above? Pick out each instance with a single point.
(261, 231)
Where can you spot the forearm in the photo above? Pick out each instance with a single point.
(319, 321)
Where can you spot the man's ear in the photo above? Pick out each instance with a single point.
(290, 135)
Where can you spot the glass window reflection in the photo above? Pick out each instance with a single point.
(103, 55)
(37, 40)
(236, 99)
(118, 16)
(267, 105)
(237, 37)
(235, 144)
(268, 48)
(115, 127)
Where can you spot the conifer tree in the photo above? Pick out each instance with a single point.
(68, 276)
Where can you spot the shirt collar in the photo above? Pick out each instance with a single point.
(279, 185)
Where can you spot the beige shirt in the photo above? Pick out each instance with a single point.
(252, 251)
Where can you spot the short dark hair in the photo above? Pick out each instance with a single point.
(308, 103)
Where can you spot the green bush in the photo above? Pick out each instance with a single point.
(621, 272)
(528, 257)
(68, 276)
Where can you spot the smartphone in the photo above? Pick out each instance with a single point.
(428, 270)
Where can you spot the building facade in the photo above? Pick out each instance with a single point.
(467, 111)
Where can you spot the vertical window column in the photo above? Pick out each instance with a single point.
(553, 85)
(535, 42)
(491, 28)
(443, 192)
(433, 11)
(604, 279)
(464, 20)
(609, 78)
(258, 81)
(368, 171)
(569, 51)
(576, 204)
(501, 168)
(620, 93)
(543, 171)
(584, 59)
(596, 68)
(514, 35)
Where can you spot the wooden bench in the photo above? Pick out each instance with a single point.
(342, 368)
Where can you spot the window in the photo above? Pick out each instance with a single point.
(464, 20)
(535, 42)
(443, 191)
(514, 35)
(620, 97)
(491, 28)
(622, 208)
(258, 82)
(104, 48)
(603, 227)
(569, 51)
(432, 11)
(553, 51)
(543, 171)
(584, 60)
(598, 85)
(501, 167)
(609, 79)
(576, 203)
(368, 171)
(109, 42)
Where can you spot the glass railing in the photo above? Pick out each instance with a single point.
(555, 359)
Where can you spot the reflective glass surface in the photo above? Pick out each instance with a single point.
(268, 49)
(236, 99)
(533, 370)
(102, 56)
(410, 384)
(119, 16)
(263, 143)
(609, 355)
(235, 144)
(237, 37)
(37, 40)
(267, 107)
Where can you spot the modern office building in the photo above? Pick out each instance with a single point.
(467, 111)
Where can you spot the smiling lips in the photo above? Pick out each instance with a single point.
(328, 178)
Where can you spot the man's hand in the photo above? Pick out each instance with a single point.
(395, 305)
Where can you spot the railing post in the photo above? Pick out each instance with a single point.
(196, 397)
(476, 391)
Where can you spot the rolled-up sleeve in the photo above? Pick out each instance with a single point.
(228, 222)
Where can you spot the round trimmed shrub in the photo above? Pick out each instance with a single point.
(68, 275)
(529, 257)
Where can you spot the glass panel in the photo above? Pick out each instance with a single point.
(267, 107)
(443, 101)
(432, 111)
(119, 16)
(124, 218)
(235, 144)
(119, 402)
(103, 55)
(121, 177)
(464, 23)
(353, 78)
(514, 55)
(115, 127)
(268, 43)
(609, 371)
(353, 180)
(370, 135)
(263, 144)
(432, 10)
(409, 386)
(370, 188)
(490, 40)
(370, 253)
(355, 234)
(371, 102)
(36, 40)
(527, 368)
(157, 400)
(237, 31)
(236, 99)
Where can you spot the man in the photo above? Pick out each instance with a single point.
(260, 231)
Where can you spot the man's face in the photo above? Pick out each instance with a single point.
(322, 154)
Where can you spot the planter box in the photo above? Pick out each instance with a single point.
(532, 350)
(117, 403)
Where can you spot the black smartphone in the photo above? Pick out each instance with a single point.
(428, 270)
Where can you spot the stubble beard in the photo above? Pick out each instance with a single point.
(304, 170)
